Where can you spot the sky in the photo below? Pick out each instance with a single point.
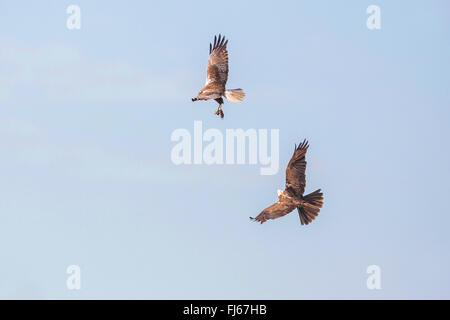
(86, 117)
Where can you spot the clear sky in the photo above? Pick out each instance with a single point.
(86, 177)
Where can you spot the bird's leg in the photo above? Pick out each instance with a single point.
(219, 111)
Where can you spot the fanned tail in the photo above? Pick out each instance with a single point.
(309, 210)
(235, 95)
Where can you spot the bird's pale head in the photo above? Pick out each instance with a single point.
(199, 96)
(202, 93)
(208, 93)
(279, 192)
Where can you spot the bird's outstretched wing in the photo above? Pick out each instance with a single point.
(277, 210)
(217, 69)
(295, 171)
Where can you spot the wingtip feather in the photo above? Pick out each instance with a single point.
(219, 42)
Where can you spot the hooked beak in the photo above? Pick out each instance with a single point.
(194, 99)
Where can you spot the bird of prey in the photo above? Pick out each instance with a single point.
(217, 75)
(292, 197)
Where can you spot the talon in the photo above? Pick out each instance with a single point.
(219, 111)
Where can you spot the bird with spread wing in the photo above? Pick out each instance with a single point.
(292, 197)
(217, 76)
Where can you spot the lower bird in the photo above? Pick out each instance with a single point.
(217, 76)
(292, 197)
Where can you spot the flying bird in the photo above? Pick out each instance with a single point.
(217, 75)
(292, 197)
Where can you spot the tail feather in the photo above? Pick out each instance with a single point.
(309, 210)
(235, 95)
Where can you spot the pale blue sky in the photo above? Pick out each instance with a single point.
(86, 177)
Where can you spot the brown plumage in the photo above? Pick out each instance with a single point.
(308, 206)
(217, 76)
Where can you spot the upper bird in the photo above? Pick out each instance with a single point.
(217, 75)
(308, 206)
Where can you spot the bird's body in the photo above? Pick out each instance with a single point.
(217, 76)
(308, 206)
